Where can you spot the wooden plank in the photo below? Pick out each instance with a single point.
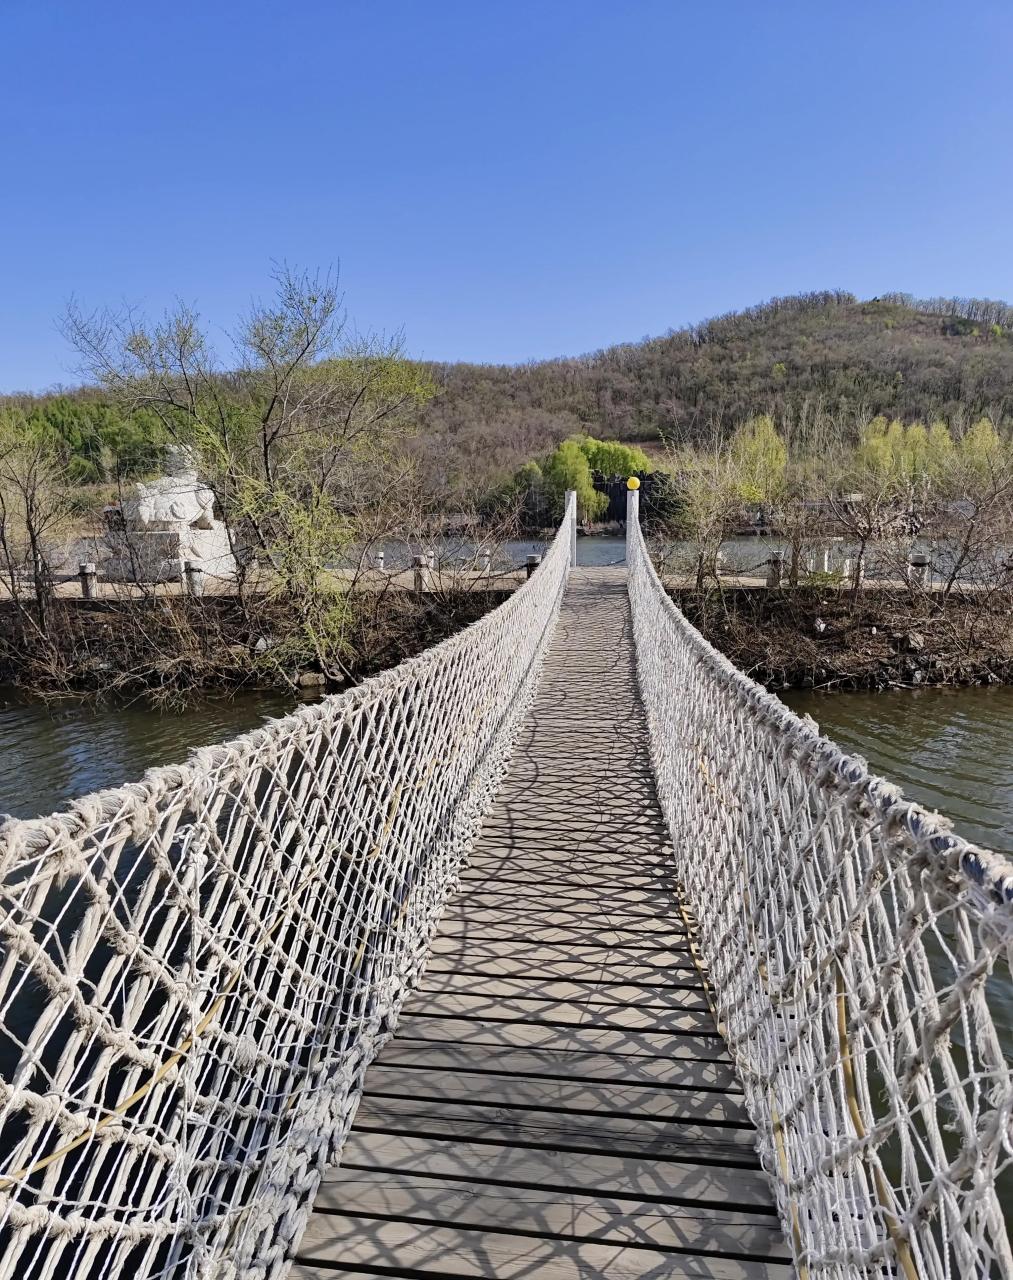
(590, 953)
(522, 865)
(679, 1140)
(540, 963)
(532, 1035)
(532, 934)
(688, 994)
(574, 897)
(670, 1072)
(559, 1012)
(558, 1214)
(450, 1251)
(582, 920)
(512, 879)
(311, 1270)
(487, 1088)
(633, 1177)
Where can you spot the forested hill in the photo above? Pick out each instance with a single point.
(825, 353)
(821, 355)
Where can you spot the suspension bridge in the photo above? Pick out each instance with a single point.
(561, 949)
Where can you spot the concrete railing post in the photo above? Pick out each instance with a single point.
(88, 573)
(419, 565)
(193, 576)
(571, 513)
(484, 560)
(380, 559)
(918, 569)
(531, 564)
(775, 569)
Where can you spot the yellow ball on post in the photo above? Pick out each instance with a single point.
(633, 483)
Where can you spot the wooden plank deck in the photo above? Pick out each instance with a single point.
(557, 1101)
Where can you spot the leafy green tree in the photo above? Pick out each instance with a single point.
(758, 459)
(568, 468)
(939, 449)
(981, 450)
(612, 458)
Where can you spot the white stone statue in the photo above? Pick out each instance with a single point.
(165, 523)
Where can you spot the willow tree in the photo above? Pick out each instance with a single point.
(568, 468)
(758, 456)
(613, 458)
(296, 429)
(975, 526)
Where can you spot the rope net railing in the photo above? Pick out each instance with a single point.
(858, 956)
(196, 970)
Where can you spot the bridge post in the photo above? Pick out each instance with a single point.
(571, 511)
(632, 509)
(531, 564)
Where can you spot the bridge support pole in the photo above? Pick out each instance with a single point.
(632, 509)
(571, 509)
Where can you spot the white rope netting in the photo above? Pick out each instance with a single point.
(197, 969)
(859, 961)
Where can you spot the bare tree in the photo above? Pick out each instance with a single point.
(35, 507)
(294, 431)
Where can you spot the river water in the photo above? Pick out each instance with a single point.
(52, 753)
(949, 749)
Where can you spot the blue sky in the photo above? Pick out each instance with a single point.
(504, 181)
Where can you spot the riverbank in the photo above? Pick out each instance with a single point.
(811, 638)
(171, 648)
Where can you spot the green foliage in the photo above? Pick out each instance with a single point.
(100, 441)
(759, 458)
(903, 457)
(981, 450)
(568, 468)
(612, 458)
(523, 495)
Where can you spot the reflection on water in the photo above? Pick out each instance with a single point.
(52, 754)
(949, 749)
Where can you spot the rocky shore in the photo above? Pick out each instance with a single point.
(818, 639)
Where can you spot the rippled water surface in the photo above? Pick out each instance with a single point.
(950, 749)
(50, 754)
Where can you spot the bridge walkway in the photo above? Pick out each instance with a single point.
(557, 1101)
